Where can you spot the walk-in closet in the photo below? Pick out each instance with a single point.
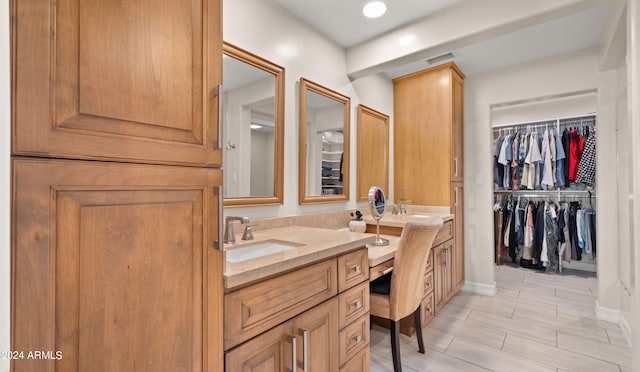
(545, 193)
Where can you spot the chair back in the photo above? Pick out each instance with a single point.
(407, 281)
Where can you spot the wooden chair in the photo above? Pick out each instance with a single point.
(405, 287)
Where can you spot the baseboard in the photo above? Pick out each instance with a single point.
(626, 330)
(481, 289)
(616, 317)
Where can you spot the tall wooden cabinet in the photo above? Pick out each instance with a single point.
(428, 146)
(115, 185)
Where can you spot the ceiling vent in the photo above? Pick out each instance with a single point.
(441, 58)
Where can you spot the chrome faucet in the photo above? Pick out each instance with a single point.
(401, 209)
(229, 235)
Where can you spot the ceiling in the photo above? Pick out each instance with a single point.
(343, 22)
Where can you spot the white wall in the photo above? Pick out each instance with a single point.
(633, 77)
(5, 146)
(552, 77)
(266, 29)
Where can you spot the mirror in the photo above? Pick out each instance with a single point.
(373, 151)
(323, 144)
(377, 205)
(253, 133)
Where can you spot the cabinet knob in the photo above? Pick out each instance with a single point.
(357, 338)
(357, 304)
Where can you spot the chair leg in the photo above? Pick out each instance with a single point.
(418, 323)
(395, 345)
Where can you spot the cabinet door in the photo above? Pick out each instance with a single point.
(272, 351)
(458, 241)
(129, 81)
(317, 329)
(114, 266)
(442, 274)
(457, 125)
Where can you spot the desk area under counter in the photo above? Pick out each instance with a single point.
(440, 275)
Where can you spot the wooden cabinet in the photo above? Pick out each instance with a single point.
(114, 266)
(443, 274)
(316, 329)
(458, 249)
(128, 81)
(113, 259)
(307, 340)
(316, 317)
(428, 146)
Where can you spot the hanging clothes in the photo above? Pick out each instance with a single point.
(587, 166)
(560, 160)
(546, 182)
(574, 154)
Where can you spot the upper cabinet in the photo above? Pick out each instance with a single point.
(428, 134)
(323, 144)
(373, 151)
(140, 85)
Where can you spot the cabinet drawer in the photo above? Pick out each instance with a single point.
(429, 265)
(445, 233)
(428, 283)
(359, 363)
(428, 309)
(254, 309)
(353, 268)
(379, 270)
(353, 304)
(354, 338)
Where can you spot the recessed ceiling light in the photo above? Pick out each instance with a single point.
(374, 9)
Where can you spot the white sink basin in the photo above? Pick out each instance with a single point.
(260, 249)
(418, 215)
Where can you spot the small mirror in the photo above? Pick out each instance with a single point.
(377, 205)
(253, 117)
(323, 144)
(373, 151)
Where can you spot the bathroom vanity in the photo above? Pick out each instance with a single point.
(299, 297)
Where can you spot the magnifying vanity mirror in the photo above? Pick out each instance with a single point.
(378, 206)
(253, 117)
(323, 144)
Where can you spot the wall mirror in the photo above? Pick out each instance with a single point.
(253, 134)
(323, 144)
(373, 151)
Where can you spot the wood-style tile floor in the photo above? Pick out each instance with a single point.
(536, 322)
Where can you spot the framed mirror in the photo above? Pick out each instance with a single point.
(253, 134)
(373, 151)
(323, 144)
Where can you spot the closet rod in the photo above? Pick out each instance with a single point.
(586, 116)
(581, 193)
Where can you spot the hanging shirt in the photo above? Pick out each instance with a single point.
(587, 165)
(574, 154)
(547, 176)
(534, 161)
(560, 158)
(565, 144)
(552, 148)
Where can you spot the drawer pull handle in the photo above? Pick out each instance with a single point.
(357, 304)
(305, 348)
(428, 284)
(293, 341)
(357, 338)
(356, 268)
(387, 271)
